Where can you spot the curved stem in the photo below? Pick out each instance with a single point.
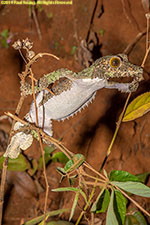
(116, 131)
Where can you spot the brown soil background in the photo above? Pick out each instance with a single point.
(90, 132)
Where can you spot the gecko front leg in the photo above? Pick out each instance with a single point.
(45, 81)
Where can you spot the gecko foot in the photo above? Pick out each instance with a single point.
(133, 86)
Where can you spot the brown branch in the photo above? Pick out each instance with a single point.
(46, 137)
(128, 13)
(39, 55)
(36, 23)
(42, 150)
(130, 46)
(5, 163)
(2, 187)
(19, 106)
(45, 88)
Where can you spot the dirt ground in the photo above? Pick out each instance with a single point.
(109, 27)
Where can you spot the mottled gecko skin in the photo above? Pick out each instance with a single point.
(78, 89)
(71, 94)
(101, 69)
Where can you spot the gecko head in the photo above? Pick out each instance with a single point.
(117, 66)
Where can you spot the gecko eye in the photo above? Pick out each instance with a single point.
(114, 62)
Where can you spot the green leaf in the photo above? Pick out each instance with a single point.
(61, 171)
(56, 45)
(69, 165)
(59, 222)
(73, 50)
(40, 218)
(66, 189)
(120, 206)
(140, 218)
(74, 205)
(34, 168)
(143, 177)
(4, 43)
(102, 202)
(111, 217)
(18, 164)
(59, 157)
(133, 187)
(105, 173)
(47, 159)
(74, 163)
(131, 220)
(138, 107)
(71, 189)
(5, 33)
(78, 157)
(43, 222)
(78, 160)
(101, 32)
(50, 15)
(78, 191)
(72, 179)
(120, 175)
(83, 195)
(49, 149)
(135, 219)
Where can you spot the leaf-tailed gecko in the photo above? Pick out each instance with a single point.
(70, 95)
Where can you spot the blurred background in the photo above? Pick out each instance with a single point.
(78, 34)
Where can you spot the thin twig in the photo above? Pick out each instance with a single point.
(103, 184)
(45, 88)
(116, 132)
(42, 150)
(119, 123)
(147, 32)
(5, 163)
(46, 137)
(145, 57)
(92, 169)
(87, 204)
(133, 43)
(22, 56)
(20, 103)
(2, 187)
(121, 117)
(91, 20)
(128, 13)
(92, 219)
(36, 23)
(94, 178)
(19, 106)
(97, 184)
(39, 55)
